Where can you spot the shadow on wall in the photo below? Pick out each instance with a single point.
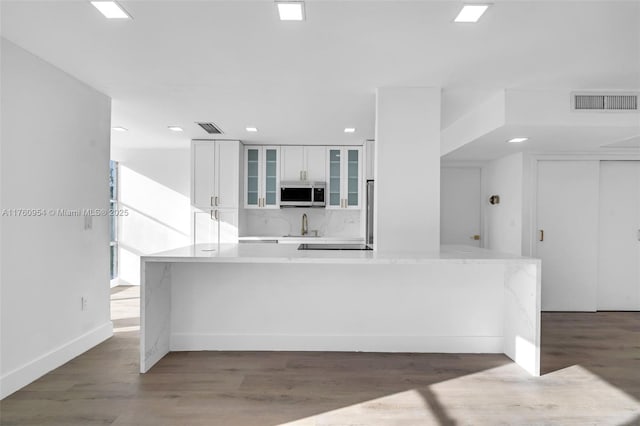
(158, 219)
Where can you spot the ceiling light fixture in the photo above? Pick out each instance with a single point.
(111, 9)
(120, 129)
(175, 128)
(291, 10)
(517, 140)
(471, 12)
(252, 129)
(349, 129)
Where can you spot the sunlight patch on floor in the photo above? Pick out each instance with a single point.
(408, 407)
(456, 401)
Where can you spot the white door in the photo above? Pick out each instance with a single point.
(619, 251)
(315, 163)
(460, 204)
(292, 163)
(203, 185)
(567, 237)
(227, 176)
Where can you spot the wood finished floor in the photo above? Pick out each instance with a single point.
(591, 363)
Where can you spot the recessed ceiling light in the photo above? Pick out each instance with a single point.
(111, 9)
(291, 10)
(517, 140)
(120, 129)
(252, 129)
(349, 129)
(471, 12)
(175, 128)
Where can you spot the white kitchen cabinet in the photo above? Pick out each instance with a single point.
(215, 226)
(306, 163)
(262, 177)
(215, 173)
(344, 170)
(315, 161)
(292, 165)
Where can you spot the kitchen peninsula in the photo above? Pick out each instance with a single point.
(275, 297)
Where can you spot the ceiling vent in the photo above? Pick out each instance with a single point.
(210, 128)
(604, 102)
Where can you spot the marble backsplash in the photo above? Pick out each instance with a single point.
(328, 223)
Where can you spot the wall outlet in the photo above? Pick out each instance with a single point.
(83, 303)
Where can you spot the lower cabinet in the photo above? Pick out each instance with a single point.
(215, 226)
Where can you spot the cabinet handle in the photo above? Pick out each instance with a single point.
(301, 178)
(216, 200)
(211, 202)
(216, 215)
(211, 212)
(542, 235)
(305, 175)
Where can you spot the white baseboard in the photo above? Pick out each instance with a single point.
(441, 344)
(33, 370)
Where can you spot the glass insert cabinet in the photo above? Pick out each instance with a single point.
(262, 177)
(344, 171)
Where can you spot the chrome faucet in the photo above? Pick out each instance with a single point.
(305, 224)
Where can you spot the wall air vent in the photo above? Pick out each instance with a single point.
(210, 128)
(604, 102)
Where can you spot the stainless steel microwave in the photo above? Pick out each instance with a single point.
(302, 194)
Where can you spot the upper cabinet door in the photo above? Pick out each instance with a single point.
(334, 172)
(353, 181)
(262, 177)
(315, 163)
(203, 173)
(252, 196)
(271, 176)
(345, 177)
(228, 175)
(215, 172)
(292, 164)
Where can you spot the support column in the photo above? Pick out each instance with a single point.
(407, 170)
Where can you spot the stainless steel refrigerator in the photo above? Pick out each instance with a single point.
(369, 236)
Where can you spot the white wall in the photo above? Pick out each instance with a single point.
(407, 168)
(55, 154)
(154, 189)
(503, 221)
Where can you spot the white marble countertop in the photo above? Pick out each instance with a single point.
(289, 253)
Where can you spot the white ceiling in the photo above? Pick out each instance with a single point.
(557, 139)
(234, 63)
